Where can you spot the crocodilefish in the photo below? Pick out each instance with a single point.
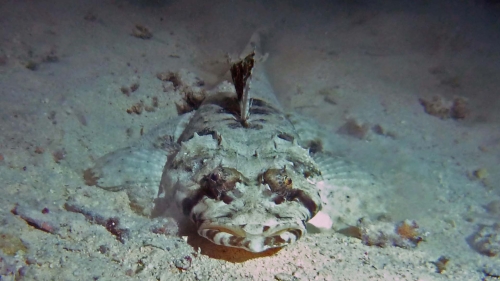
(235, 166)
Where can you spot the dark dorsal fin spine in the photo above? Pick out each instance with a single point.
(241, 72)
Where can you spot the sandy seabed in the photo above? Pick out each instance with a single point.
(406, 90)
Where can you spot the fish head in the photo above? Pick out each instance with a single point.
(267, 212)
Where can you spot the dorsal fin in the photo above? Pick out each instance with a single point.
(241, 72)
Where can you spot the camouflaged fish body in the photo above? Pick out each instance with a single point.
(236, 170)
(246, 183)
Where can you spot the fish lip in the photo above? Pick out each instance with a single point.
(235, 231)
(237, 238)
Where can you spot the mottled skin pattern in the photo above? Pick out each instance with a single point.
(245, 183)
(245, 187)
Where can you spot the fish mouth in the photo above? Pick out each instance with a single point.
(237, 238)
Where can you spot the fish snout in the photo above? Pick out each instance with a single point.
(253, 237)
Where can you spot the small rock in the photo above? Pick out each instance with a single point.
(486, 240)
(183, 263)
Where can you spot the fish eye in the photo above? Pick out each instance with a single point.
(215, 177)
(281, 184)
(278, 180)
(219, 182)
